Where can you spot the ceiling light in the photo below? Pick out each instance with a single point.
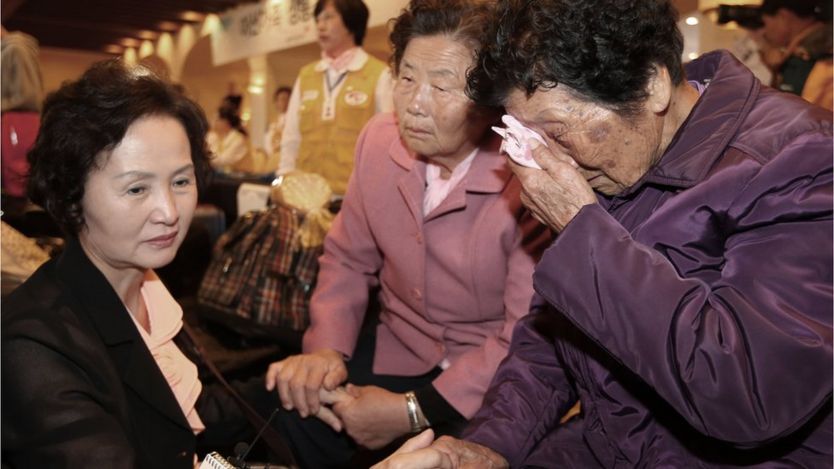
(149, 35)
(130, 42)
(192, 16)
(692, 21)
(169, 26)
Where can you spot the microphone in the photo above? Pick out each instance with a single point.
(242, 449)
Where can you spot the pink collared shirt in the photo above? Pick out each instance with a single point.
(165, 318)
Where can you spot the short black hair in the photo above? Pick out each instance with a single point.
(85, 119)
(281, 89)
(463, 20)
(354, 15)
(603, 50)
(230, 115)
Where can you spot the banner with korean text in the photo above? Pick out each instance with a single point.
(272, 25)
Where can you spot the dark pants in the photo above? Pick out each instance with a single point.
(317, 446)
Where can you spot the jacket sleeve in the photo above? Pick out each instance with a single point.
(348, 270)
(52, 413)
(742, 350)
(529, 393)
(471, 373)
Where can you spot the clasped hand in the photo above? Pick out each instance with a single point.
(310, 383)
(444, 453)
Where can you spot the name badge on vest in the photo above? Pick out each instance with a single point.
(309, 95)
(356, 98)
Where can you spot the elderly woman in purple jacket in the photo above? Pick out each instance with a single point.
(686, 302)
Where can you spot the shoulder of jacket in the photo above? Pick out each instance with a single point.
(778, 120)
(39, 303)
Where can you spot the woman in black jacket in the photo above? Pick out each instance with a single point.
(92, 375)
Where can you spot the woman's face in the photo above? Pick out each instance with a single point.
(282, 100)
(334, 37)
(436, 119)
(613, 152)
(137, 207)
(776, 30)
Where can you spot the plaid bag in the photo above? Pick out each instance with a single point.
(261, 272)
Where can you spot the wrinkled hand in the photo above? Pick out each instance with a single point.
(374, 417)
(557, 192)
(417, 454)
(467, 455)
(325, 412)
(300, 378)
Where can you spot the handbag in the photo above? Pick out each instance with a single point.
(264, 268)
(261, 272)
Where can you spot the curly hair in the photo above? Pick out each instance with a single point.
(354, 15)
(603, 50)
(84, 120)
(463, 20)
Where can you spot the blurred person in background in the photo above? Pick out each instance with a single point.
(686, 301)
(334, 97)
(229, 142)
(22, 96)
(275, 130)
(800, 37)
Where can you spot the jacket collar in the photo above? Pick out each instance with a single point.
(356, 63)
(105, 311)
(488, 174)
(712, 123)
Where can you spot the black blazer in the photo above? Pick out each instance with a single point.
(80, 387)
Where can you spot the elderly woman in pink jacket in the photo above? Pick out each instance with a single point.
(433, 231)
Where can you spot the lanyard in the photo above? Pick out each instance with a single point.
(329, 111)
(331, 87)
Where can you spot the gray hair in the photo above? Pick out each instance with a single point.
(22, 83)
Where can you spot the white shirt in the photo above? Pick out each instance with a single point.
(276, 126)
(228, 151)
(291, 139)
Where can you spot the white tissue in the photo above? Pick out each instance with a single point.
(515, 144)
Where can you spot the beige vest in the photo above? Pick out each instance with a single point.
(327, 146)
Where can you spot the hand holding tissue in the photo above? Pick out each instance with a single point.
(516, 136)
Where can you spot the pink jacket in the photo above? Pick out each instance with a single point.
(454, 283)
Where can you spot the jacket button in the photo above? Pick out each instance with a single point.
(419, 237)
(416, 293)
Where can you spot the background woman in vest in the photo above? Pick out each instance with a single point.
(334, 97)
